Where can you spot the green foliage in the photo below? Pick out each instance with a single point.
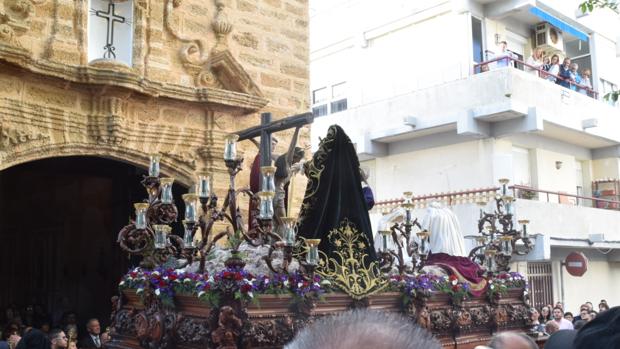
(591, 5)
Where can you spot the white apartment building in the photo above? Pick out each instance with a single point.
(400, 77)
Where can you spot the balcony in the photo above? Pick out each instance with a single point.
(500, 102)
(572, 225)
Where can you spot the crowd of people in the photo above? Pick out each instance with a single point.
(551, 319)
(547, 67)
(33, 328)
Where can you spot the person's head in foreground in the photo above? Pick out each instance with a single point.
(602, 332)
(512, 340)
(364, 329)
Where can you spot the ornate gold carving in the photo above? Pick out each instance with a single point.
(348, 271)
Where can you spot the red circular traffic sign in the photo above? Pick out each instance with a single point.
(576, 263)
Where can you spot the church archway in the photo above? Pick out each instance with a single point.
(59, 220)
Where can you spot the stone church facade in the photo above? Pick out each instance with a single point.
(200, 69)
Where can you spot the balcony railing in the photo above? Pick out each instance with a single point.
(519, 191)
(543, 74)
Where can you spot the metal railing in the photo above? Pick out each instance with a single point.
(543, 74)
(519, 191)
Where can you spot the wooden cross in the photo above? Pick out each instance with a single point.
(267, 127)
(110, 17)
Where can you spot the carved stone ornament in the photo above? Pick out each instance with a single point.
(228, 330)
(14, 19)
(11, 137)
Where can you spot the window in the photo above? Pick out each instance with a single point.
(521, 166)
(110, 30)
(320, 110)
(322, 99)
(476, 39)
(608, 87)
(319, 95)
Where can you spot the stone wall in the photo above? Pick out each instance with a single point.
(201, 69)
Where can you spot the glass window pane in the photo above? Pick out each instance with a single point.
(319, 95)
(339, 89)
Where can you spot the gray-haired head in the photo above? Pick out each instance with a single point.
(361, 329)
(507, 340)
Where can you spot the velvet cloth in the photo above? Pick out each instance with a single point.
(334, 194)
(463, 268)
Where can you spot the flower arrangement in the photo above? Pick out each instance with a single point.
(502, 282)
(412, 286)
(451, 286)
(235, 282)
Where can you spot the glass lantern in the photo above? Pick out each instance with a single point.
(423, 247)
(154, 165)
(230, 147)
(204, 186)
(506, 242)
(312, 256)
(490, 259)
(141, 209)
(524, 223)
(267, 182)
(385, 234)
(161, 235)
(188, 235)
(288, 230)
(190, 207)
(166, 190)
(266, 204)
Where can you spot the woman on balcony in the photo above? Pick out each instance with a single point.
(553, 68)
(534, 62)
(585, 82)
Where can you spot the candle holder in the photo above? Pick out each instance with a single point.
(190, 207)
(161, 236)
(166, 190)
(141, 209)
(266, 205)
(499, 240)
(188, 234)
(203, 188)
(268, 181)
(154, 165)
(230, 147)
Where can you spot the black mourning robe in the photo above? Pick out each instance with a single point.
(334, 194)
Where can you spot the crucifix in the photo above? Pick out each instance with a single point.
(283, 163)
(110, 18)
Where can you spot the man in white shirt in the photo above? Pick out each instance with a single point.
(558, 317)
(503, 45)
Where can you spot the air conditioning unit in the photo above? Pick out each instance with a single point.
(548, 38)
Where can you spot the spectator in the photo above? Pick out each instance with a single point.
(512, 340)
(504, 52)
(602, 306)
(551, 327)
(559, 305)
(590, 306)
(601, 333)
(368, 195)
(534, 62)
(558, 317)
(579, 324)
(362, 329)
(553, 69)
(584, 314)
(568, 316)
(565, 74)
(593, 315)
(546, 63)
(545, 314)
(58, 339)
(574, 76)
(93, 339)
(535, 322)
(581, 309)
(587, 89)
(34, 339)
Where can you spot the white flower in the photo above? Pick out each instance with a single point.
(157, 292)
(187, 280)
(285, 283)
(326, 283)
(121, 283)
(316, 284)
(490, 281)
(201, 293)
(165, 278)
(299, 284)
(140, 290)
(266, 281)
(211, 279)
(454, 282)
(250, 294)
(155, 272)
(491, 287)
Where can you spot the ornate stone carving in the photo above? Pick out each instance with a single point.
(14, 19)
(10, 137)
(221, 26)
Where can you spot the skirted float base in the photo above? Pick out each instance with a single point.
(143, 322)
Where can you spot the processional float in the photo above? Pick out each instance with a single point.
(172, 300)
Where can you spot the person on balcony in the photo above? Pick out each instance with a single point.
(565, 74)
(504, 52)
(575, 77)
(586, 83)
(534, 62)
(553, 68)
